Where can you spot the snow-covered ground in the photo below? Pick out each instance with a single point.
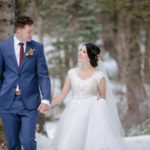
(134, 143)
(138, 142)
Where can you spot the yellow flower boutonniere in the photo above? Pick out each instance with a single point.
(30, 52)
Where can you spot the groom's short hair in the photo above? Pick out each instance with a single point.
(21, 21)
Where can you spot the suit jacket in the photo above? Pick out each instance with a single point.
(32, 76)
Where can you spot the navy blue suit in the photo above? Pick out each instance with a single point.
(19, 113)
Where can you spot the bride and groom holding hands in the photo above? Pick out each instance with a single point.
(86, 122)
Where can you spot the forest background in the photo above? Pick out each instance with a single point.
(121, 28)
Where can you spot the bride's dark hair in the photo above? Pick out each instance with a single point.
(93, 51)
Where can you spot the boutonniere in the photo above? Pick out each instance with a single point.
(30, 52)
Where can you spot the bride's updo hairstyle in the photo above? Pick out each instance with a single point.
(93, 52)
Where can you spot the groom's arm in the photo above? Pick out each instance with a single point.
(43, 77)
(1, 68)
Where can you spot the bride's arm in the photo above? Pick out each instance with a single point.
(61, 96)
(102, 88)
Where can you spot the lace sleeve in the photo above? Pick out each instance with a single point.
(100, 76)
(70, 73)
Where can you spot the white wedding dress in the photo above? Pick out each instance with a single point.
(86, 123)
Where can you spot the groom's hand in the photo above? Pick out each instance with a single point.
(43, 108)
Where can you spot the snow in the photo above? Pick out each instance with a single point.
(141, 142)
(138, 142)
(43, 142)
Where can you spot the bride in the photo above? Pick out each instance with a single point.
(90, 120)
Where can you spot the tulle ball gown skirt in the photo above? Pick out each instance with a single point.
(87, 125)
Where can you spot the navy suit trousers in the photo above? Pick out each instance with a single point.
(20, 125)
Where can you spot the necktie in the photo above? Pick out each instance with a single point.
(21, 57)
(21, 53)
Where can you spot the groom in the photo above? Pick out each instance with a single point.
(23, 78)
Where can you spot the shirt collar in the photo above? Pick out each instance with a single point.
(17, 41)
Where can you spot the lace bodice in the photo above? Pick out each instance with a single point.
(84, 88)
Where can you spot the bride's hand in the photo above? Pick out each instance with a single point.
(52, 104)
(43, 108)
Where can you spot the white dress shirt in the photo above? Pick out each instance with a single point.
(17, 53)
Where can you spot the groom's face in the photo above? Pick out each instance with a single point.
(25, 34)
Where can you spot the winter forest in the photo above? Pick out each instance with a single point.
(121, 28)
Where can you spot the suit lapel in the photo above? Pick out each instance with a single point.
(11, 47)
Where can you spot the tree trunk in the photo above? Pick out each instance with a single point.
(7, 15)
(147, 57)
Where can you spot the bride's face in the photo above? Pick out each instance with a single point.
(82, 55)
